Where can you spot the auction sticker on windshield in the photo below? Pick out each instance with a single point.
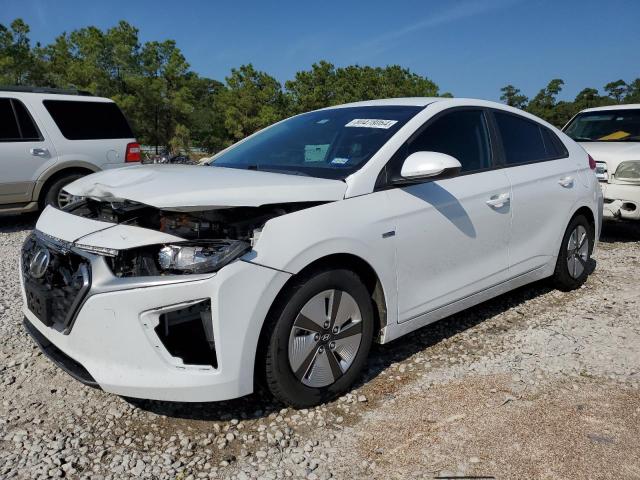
(371, 123)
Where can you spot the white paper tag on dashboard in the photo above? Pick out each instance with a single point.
(371, 123)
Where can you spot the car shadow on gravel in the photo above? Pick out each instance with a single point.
(256, 406)
(613, 232)
(17, 223)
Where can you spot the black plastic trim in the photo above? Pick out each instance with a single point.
(58, 357)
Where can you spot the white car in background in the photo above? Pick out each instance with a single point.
(51, 137)
(296, 248)
(611, 135)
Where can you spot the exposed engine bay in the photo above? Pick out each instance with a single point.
(216, 236)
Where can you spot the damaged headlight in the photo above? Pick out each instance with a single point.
(200, 257)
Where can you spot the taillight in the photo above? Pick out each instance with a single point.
(592, 162)
(133, 152)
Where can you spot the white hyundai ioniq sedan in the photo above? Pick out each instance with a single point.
(292, 251)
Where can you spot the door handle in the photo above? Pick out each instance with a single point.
(566, 182)
(499, 201)
(39, 152)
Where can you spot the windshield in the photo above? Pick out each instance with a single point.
(605, 126)
(330, 143)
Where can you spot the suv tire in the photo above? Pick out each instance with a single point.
(52, 195)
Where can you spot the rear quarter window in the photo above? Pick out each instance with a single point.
(525, 141)
(9, 130)
(79, 120)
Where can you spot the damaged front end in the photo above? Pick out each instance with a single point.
(209, 239)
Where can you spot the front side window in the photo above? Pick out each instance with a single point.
(605, 126)
(525, 141)
(330, 143)
(81, 120)
(9, 130)
(462, 134)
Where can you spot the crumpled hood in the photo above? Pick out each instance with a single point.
(613, 153)
(188, 187)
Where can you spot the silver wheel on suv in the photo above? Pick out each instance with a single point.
(65, 198)
(325, 338)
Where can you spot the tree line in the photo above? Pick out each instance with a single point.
(169, 104)
(558, 112)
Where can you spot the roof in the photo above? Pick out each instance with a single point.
(28, 89)
(25, 93)
(405, 101)
(628, 106)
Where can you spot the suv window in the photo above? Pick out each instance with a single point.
(28, 128)
(525, 141)
(80, 120)
(462, 134)
(16, 125)
(8, 125)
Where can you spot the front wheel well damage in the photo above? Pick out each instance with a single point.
(335, 261)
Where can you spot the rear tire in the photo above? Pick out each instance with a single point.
(54, 194)
(574, 259)
(319, 338)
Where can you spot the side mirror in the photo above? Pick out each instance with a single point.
(422, 165)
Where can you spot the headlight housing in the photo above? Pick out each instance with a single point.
(629, 170)
(200, 257)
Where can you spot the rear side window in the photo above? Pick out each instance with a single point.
(525, 141)
(16, 125)
(461, 134)
(8, 125)
(79, 120)
(27, 126)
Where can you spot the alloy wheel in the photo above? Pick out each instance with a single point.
(577, 251)
(325, 338)
(65, 198)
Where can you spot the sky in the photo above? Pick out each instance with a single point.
(469, 48)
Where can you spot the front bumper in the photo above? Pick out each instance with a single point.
(113, 337)
(621, 201)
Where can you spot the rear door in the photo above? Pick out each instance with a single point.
(543, 181)
(25, 152)
(452, 234)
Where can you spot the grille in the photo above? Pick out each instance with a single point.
(54, 293)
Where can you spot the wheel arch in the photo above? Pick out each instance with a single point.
(580, 209)
(48, 178)
(349, 261)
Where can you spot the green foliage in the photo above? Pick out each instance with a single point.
(169, 105)
(558, 113)
(512, 97)
(326, 85)
(251, 101)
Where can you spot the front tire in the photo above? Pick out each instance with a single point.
(574, 259)
(319, 339)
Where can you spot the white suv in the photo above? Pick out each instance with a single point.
(611, 135)
(295, 249)
(49, 138)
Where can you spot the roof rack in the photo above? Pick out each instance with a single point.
(59, 91)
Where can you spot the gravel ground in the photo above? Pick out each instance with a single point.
(533, 384)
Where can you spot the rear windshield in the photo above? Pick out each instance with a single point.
(605, 126)
(88, 120)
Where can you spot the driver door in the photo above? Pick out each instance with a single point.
(452, 236)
